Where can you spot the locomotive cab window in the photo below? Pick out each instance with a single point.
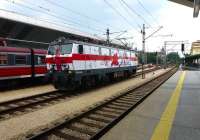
(52, 50)
(20, 60)
(66, 48)
(80, 49)
(3, 59)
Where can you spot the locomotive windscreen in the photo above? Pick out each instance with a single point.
(62, 49)
(52, 50)
(66, 48)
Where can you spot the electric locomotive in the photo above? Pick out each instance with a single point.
(73, 63)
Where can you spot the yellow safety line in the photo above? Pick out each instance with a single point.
(163, 128)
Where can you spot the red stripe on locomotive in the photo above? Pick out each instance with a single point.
(86, 57)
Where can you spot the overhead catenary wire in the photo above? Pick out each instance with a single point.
(119, 14)
(53, 15)
(147, 11)
(136, 13)
(99, 22)
(130, 14)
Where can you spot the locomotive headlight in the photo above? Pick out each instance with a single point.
(69, 71)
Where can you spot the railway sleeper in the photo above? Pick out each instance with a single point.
(136, 98)
(82, 128)
(116, 107)
(22, 103)
(32, 101)
(128, 99)
(121, 105)
(111, 110)
(98, 117)
(93, 123)
(69, 134)
(39, 99)
(107, 114)
(3, 108)
(125, 102)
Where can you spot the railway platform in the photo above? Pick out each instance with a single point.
(172, 112)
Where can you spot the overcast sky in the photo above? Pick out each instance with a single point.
(94, 16)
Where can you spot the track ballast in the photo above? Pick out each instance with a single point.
(93, 123)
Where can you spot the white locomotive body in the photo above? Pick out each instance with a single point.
(75, 63)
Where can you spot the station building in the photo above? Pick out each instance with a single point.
(194, 58)
(195, 49)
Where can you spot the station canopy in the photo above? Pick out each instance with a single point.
(20, 27)
(190, 3)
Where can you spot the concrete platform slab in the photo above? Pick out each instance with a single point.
(186, 124)
(142, 122)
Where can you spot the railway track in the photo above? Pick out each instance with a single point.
(95, 122)
(28, 104)
(25, 105)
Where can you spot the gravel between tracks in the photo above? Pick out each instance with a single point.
(20, 93)
(30, 91)
(15, 128)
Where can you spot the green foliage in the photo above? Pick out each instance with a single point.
(151, 58)
(173, 57)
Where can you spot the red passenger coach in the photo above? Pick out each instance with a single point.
(18, 63)
(15, 63)
(40, 68)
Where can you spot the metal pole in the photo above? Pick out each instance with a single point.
(156, 59)
(165, 54)
(108, 35)
(176, 58)
(143, 51)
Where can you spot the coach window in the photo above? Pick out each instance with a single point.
(3, 59)
(52, 50)
(41, 60)
(80, 49)
(20, 60)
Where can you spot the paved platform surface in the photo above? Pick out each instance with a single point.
(172, 112)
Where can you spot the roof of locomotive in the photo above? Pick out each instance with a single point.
(63, 40)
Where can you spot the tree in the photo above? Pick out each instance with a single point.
(151, 57)
(173, 57)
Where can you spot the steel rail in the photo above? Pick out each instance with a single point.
(23, 105)
(95, 122)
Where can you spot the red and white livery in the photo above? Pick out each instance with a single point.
(72, 62)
